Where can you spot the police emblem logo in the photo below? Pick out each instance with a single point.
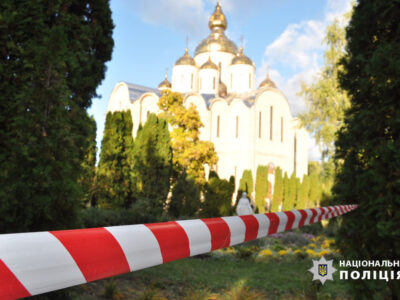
(322, 269)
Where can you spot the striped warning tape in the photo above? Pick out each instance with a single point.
(39, 262)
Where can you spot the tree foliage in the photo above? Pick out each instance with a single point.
(152, 167)
(115, 176)
(278, 190)
(325, 99)
(261, 187)
(304, 192)
(315, 191)
(185, 199)
(246, 183)
(217, 197)
(190, 154)
(52, 58)
(286, 193)
(368, 156)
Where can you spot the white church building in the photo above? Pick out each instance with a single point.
(249, 125)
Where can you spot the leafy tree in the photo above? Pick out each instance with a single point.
(190, 154)
(217, 198)
(278, 190)
(286, 193)
(315, 191)
(152, 168)
(115, 176)
(88, 177)
(261, 187)
(246, 183)
(325, 99)
(185, 199)
(52, 58)
(304, 192)
(368, 156)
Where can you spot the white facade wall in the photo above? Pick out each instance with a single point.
(208, 81)
(241, 78)
(185, 78)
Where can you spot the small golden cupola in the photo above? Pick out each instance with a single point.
(185, 59)
(267, 83)
(209, 65)
(165, 84)
(241, 59)
(218, 18)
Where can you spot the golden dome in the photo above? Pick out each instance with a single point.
(165, 84)
(185, 59)
(241, 59)
(267, 83)
(209, 65)
(217, 40)
(218, 18)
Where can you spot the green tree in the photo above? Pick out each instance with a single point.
(304, 192)
(190, 154)
(278, 190)
(217, 198)
(261, 187)
(114, 175)
(52, 58)
(88, 177)
(325, 99)
(185, 199)
(315, 191)
(368, 156)
(286, 193)
(246, 183)
(152, 168)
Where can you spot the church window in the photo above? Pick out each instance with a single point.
(231, 80)
(281, 129)
(259, 125)
(237, 126)
(217, 126)
(271, 117)
(249, 81)
(213, 83)
(181, 78)
(191, 81)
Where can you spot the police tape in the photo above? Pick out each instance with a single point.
(40, 262)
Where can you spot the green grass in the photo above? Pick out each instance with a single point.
(217, 278)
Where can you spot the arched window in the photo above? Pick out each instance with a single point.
(217, 126)
(259, 125)
(213, 83)
(271, 117)
(191, 81)
(249, 80)
(231, 80)
(281, 129)
(237, 127)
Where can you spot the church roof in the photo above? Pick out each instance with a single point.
(185, 59)
(242, 59)
(136, 91)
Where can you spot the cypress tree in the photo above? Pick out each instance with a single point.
(152, 169)
(246, 183)
(286, 193)
(368, 156)
(278, 190)
(217, 198)
(52, 58)
(185, 199)
(304, 192)
(261, 187)
(315, 190)
(115, 176)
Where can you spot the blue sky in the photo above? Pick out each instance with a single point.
(285, 35)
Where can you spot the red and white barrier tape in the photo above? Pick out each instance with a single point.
(40, 262)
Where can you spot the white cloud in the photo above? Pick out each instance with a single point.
(298, 54)
(180, 15)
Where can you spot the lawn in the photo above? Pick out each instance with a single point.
(240, 272)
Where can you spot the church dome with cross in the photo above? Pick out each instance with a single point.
(249, 125)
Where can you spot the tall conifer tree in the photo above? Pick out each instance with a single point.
(115, 176)
(261, 187)
(286, 192)
(152, 166)
(368, 156)
(278, 190)
(52, 58)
